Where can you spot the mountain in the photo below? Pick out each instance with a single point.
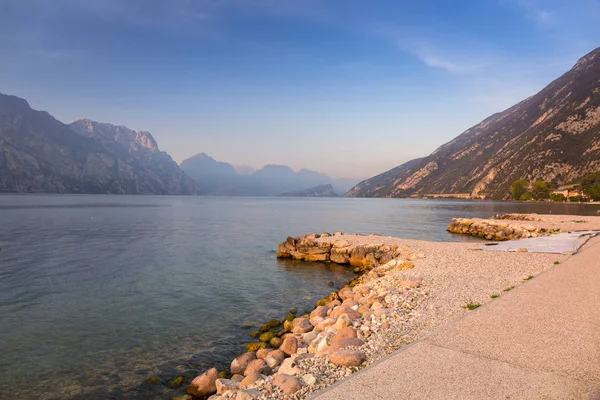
(244, 169)
(552, 136)
(221, 178)
(213, 177)
(154, 164)
(41, 154)
(317, 191)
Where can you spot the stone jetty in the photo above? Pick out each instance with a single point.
(495, 229)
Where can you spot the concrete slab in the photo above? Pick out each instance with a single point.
(538, 341)
(424, 371)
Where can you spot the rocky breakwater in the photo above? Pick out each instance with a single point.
(343, 249)
(496, 229)
(346, 331)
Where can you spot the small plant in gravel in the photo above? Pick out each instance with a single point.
(494, 296)
(508, 289)
(530, 277)
(471, 306)
(556, 262)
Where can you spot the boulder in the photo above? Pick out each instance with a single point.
(286, 383)
(348, 358)
(289, 345)
(309, 337)
(254, 347)
(338, 311)
(289, 367)
(275, 358)
(345, 293)
(205, 384)
(224, 385)
(320, 311)
(321, 344)
(275, 342)
(272, 323)
(344, 333)
(265, 337)
(339, 256)
(250, 379)
(239, 364)
(258, 366)
(301, 325)
(345, 343)
(325, 324)
(237, 378)
(342, 322)
(262, 353)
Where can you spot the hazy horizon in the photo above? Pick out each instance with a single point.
(339, 87)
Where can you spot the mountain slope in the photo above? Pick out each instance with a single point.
(213, 177)
(141, 146)
(41, 154)
(317, 191)
(553, 136)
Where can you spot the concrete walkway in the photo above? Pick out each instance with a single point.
(539, 341)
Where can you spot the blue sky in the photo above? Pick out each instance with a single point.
(349, 88)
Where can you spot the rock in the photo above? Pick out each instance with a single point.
(258, 366)
(325, 324)
(341, 243)
(176, 382)
(338, 311)
(250, 379)
(237, 378)
(262, 353)
(188, 397)
(522, 250)
(345, 293)
(275, 358)
(289, 367)
(286, 383)
(309, 379)
(205, 384)
(320, 311)
(239, 364)
(272, 323)
(265, 337)
(348, 358)
(350, 303)
(321, 344)
(345, 343)
(344, 333)
(275, 342)
(385, 325)
(289, 345)
(314, 321)
(249, 394)
(154, 380)
(224, 385)
(301, 325)
(342, 322)
(222, 375)
(383, 311)
(309, 337)
(339, 256)
(255, 346)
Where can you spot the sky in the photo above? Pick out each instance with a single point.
(345, 87)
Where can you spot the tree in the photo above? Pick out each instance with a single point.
(540, 190)
(590, 185)
(558, 197)
(519, 188)
(526, 197)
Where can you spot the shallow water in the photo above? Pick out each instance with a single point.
(99, 293)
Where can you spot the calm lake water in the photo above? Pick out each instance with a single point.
(100, 293)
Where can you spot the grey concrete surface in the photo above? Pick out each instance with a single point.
(541, 340)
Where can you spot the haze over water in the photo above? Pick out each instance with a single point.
(100, 293)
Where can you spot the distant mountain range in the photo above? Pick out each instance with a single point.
(41, 154)
(220, 178)
(552, 136)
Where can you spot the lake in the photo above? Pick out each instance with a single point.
(98, 293)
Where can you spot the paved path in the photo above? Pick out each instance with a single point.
(539, 341)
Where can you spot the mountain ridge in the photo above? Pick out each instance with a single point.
(39, 153)
(553, 136)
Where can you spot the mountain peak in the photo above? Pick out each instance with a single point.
(588, 60)
(109, 134)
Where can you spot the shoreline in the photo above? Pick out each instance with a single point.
(404, 290)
